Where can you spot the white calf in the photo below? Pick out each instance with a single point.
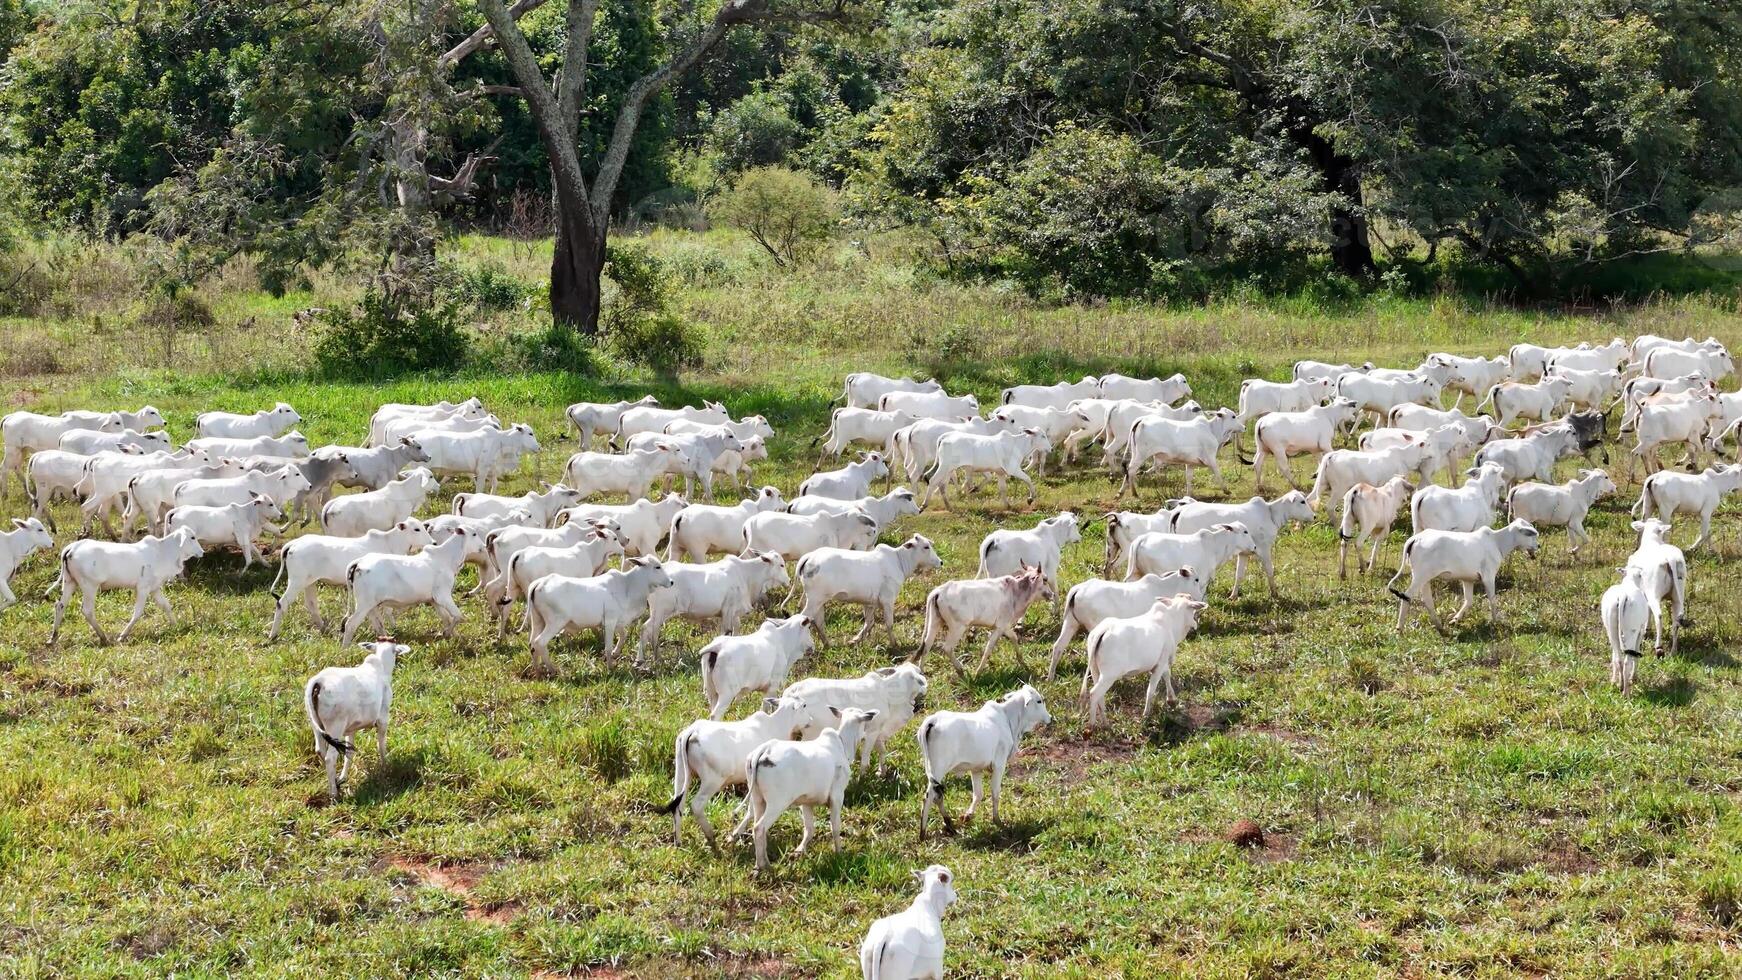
(1627, 612)
(371, 510)
(998, 604)
(612, 602)
(646, 418)
(1280, 435)
(697, 456)
(1050, 396)
(540, 506)
(1664, 571)
(87, 442)
(630, 473)
(1057, 424)
(377, 467)
(1547, 505)
(1119, 648)
(1667, 493)
(700, 530)
(861, 426)
(1538, 400)
(1668, 362)
(25, 539)
(1473, 505)
(1341, 469)
(1265, 519)
(724, 591)
(711, 753)
(1005, 552)
(316, 559)
(1369, 512)
(1168, 390)
(391, 582)
(582, 560)
(28, 432)
(930, 404)
(850, 482)
(1306, 370)
(274, 421)
(291, 445)
(871, 579)
(780, 775)
(1472, 376)
(759, 661)
(979, 743)
(1532, 456)
(145, 566)
(342, 701)
(1687, 421)
(1464, 557)
(591, 417)
(237, 524)
(486, 455)
(910, 943)
(1380, 395)
(280, 485)
(1097, 599)
(895, 693)
(864, 389)
(793, 536)
(1259, 397)
(1206, 550)
(642, 524)
(899, 502)
(1159, 442)
(1588, 390)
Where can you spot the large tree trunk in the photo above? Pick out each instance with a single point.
(1351, 246)
(576, 267)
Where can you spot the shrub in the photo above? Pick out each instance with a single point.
(755, 131)
(639, 325)
(488, 288)
(171, 314)
(787, 213)
(380, 337)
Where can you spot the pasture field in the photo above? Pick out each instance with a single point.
(1478, 804)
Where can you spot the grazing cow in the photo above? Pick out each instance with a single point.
(370, 510)
(1473, 505)
(291, 445)
(87, 442)
(700, 530)
(1121, 647)
(1663, 570)
(864, 389)
(1097, 599)
(1341, 469)
(1472, 376)
(895, 693)
(954, 608)
(541, 505)
(871, 579)
(1627, 612)
(930, 404)
(591, 417)
(630, 473)
(1283, 434)
(581, 560)
(724, 591)
(1547, 505)
(1159, 442)
(1667, 493)
(612, 602)
(780, 775)
(980, 743)
(238, 524)
(850, 482)
(861, 426)
(25, 539)
(1001, 454)
(647, 418)
(711, 753)
(1531, 456)
(642, 524)
(374, 468)
(758, 661)
(884, 510)
(910, 943)
(1206, 550)
(1465, 557)
(274, 421)
(314, 559)
(1369, 512)
(342, 701)
(145, 566)
(1005, 552)
(1265, 520)
(1166, 390)
(486, 455)
(1050, 396)
(793, 536)
(381, 582)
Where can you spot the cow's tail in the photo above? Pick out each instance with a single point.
(1402, 567)
(311, 703)
(1319, 477)
(710, 662)
(680, 773)
(1488, 399)
(1349, 525)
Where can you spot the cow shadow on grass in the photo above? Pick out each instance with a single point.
(1671, 692)
(880, 786)
(222, 574)
(402, 773)
(1010, 836)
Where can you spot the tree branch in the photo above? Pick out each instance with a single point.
(559, 142)
(482, 36)
(572, 84)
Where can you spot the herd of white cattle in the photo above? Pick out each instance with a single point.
(550, 549)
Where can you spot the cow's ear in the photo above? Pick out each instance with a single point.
(834, 711)
(769, 705)
(366, 646)
(17, 523)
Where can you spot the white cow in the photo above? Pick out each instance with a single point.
(1608, 357)
(711, 753)
(274, 421)
(1160, 442)
(386, 582)
(861, 426)
(1464, 557)
(471, 408)
(793, 536)
(1664, 571)
(1667, 493)
(724, 591)
(374, 468)
(871, 579)
(1167, 390)
(585, 559)
(1307, 370)
(998, 604)
(25, 539)
(780, 775)
(646, 418)
(1205, 550)
(1627, 612)
(916, 446)
(291, 445)
(1538, 400)
(280, 485)
(700, 530)
(1259, 398)
(1473, 505)
(1264, 519)
(642, 524)
(52, 474)
(1380, 395)
(1001, 454)
(1280, 435)
(145, 566)
(90, 441)
(930, 404)
(1666, 362)
(1472, 376)
(1115, 434)
(1005, 552)
(630, 473)
(1532, 456)
(697, 458)
(1097, 599)
(486, 455)
(850, 482)
(1588, 390)
(342, 701)
(1548, 505)
(1341, 469)
(895, 693)
(1121, 647)
(541, 506)
(864, 389)
(757, 661)
(503, 544)
(238, 524)
(980, 743)
(1369, 512)
(315, 559)
(612, 602)
(27, 432)
(909, 945)
(1686, 420)
(349, 516)
(1057, 424)
(1529, 361)
(897, 503)
(591, 417)
(1051, 396)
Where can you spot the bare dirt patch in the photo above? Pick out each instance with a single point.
(460, 881)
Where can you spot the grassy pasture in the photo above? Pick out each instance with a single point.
(1481, 804)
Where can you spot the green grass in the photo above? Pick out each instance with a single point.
(1479, 804)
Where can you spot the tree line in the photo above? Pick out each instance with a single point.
(1083, 148)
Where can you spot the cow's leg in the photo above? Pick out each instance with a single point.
(1239, 573)
(976, 780)
(810, 829)
(1493, 600)
(869, 625)
(163, 604)
(140, 595)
